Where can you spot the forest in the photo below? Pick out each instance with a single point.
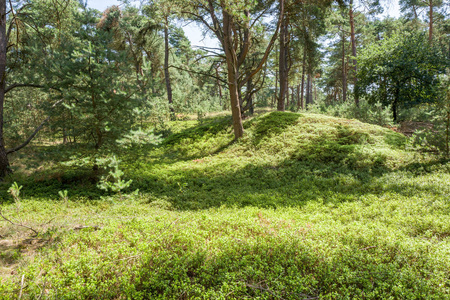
(303, 154)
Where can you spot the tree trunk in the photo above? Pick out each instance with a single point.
(250, 104)
(233, 75)
(152, 79)
(298, 97)
(288, 97)
(353, 38)
(344, 73)
(275, 95)
(430, 31)
(315, 90)
(308, 91)
(4, 163)
(395, 103)
(303, 80)
(283, 65)
(64, 135)
(166, 64)
(219, 86)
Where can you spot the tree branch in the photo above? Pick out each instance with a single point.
(199, 73)
(269, 47)
(16, 85)
(15, 224)
(9, 151)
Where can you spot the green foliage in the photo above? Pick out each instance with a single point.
(138, 138)
(114, 180)
(64, 195)
(14, 190)
(373, 113)
(325, 208)
(437, 138)
(400, 71)
(97, 94)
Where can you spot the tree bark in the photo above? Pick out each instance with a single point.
(250, 104)
(219, 86)
(430, 31)
(275, 94)
(395, 103)
(166, 64)
(4, 163)
(344, 73)
(283, 65)
(308, 91)
(353, 39)
(303, 80)
(233, 74)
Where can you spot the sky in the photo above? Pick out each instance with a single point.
(194, 33)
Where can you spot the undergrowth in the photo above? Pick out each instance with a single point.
(303, 207)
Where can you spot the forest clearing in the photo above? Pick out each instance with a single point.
(299, 150)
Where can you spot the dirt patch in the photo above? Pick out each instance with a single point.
(15, 252)
(408, 128)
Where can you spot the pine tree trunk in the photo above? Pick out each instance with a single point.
(315, 90)
(275, 98)
(233, 75)
(219, 86)
(4, 163)
(302, 102)
(395, 103)
(250, 87)
(166, 64)
(344, 73)
(353, 39)
(308, 91)
(430, 31)
(288, 97)
(283, 67)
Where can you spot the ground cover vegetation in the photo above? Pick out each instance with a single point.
(303, 157)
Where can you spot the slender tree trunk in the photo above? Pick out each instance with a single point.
(447, 134)
(315, 89)
(4, 163)
(152, 79)
(288, 97)
(430, 31)
(283, 66)
(302, 102)
(395, 103)
(275, 95)
(64, 135)
(250, 87)
(298, 97)
(233, 74)
(308, 90)
(353, 39)
(219, 86)
(166, 64)
(344, 73)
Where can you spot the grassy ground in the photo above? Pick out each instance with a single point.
(304, 207)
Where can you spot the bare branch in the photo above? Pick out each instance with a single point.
(269, 47)
(9, 151)
(16, 85)
(15, 224)
(199, 73)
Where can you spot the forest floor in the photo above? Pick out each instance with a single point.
(303, 207)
